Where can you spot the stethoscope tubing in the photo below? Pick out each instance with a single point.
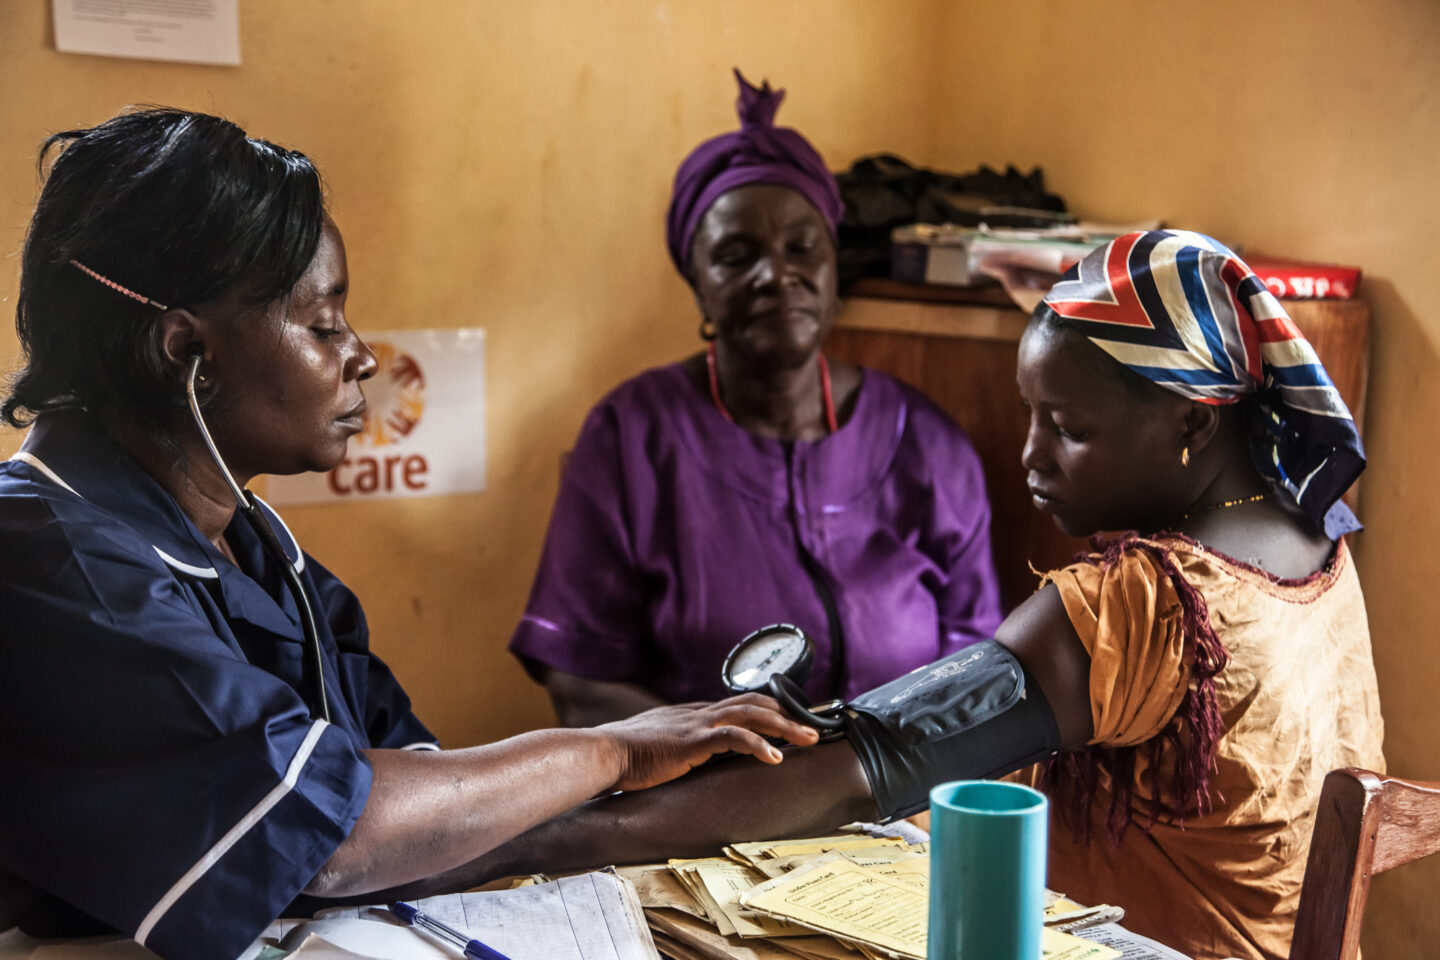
(250, 509)
(790, 696)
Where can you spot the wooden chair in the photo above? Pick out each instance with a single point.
(1366, 824)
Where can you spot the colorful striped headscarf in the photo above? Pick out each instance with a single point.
(759, 152)
(1185, 312)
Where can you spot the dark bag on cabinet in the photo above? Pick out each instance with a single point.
(883, 191)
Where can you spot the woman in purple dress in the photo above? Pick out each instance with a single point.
(754, 482)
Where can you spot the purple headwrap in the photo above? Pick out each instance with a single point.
(759, 152)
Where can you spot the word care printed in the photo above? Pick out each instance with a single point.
(424, 424)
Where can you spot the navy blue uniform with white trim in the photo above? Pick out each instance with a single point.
(161, 771)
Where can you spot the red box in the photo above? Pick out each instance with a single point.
(1301, 280)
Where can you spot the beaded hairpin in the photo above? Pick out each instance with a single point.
(117, 287)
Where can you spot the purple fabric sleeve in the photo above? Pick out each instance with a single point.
(588, 606)
(968, 602)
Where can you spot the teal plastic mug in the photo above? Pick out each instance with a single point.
(987, 870)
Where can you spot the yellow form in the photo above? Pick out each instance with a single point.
(658, 887)
(1055, 945)
(848, 901)
(791, 848)
(686, 872)
(725, 882)
(880, 907)
(754, 850)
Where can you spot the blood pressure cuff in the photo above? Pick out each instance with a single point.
(972, 715)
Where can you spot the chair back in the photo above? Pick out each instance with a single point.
(1367, 823)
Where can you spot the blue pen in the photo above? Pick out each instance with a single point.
(474, 949)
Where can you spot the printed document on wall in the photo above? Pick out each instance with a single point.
(424, 424)
(193, 31)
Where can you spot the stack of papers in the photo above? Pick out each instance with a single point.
(970, 256)
(844, 897)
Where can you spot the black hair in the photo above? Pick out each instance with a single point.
(1139, 386)
(176, 206)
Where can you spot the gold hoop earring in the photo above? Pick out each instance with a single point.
(707, 329)
(1185, 457)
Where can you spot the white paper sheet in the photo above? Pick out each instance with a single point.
(193, 31)
(595, 916)
(1132, 946)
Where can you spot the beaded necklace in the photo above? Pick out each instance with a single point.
(1226, 504)
(830, 420)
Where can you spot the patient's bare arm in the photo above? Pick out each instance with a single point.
(814, 791)
(980, 712)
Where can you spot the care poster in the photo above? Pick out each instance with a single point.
(424, 424)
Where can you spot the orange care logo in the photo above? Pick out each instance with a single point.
(395, 401)
(395, 397)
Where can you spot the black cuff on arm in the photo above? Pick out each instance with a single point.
(972, 715)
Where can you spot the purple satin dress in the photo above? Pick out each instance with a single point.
(676, 533)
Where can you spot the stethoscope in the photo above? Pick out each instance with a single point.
(250, 509)
(777, 659)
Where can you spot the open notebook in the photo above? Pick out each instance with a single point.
(594, 916)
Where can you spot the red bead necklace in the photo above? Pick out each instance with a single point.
(830, 420)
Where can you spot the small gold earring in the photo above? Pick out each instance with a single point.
(707, 329)
(1185, 457)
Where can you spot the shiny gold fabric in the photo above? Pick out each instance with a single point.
(1298, 698)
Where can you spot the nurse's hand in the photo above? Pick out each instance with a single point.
(663, 743)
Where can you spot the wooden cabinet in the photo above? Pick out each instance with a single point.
(963, 356)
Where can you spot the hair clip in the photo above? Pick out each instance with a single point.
(117, 287)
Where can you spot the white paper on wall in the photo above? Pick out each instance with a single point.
(193, 31)
(424, 427)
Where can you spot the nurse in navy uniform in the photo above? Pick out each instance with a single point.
(180, 758)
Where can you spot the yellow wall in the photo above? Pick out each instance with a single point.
(506, 165)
